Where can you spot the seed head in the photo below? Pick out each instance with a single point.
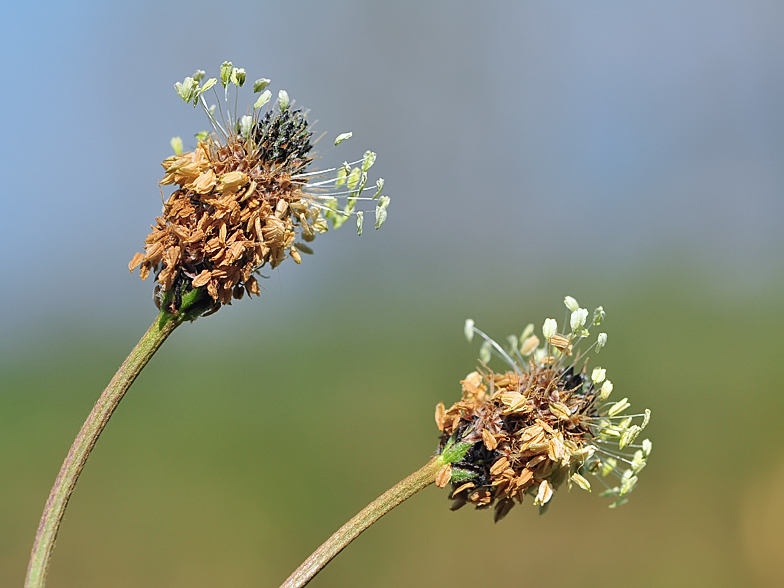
(243, 198)
(540, 424)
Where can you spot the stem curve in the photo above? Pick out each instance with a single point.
(400, 492)
(77, 456)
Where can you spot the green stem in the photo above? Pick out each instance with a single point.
(370, 514)
(85, 441)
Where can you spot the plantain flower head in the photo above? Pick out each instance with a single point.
(243, 198)
(544, 422)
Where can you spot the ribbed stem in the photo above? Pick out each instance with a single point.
(369, 515)
(84, 443)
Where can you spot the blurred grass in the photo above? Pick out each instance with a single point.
(254, 434)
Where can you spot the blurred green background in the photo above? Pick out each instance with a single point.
(627, 155)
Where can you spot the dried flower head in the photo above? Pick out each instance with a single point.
(542, 423)
(242, 197)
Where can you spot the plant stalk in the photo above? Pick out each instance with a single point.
(370, 514)
(85, 441)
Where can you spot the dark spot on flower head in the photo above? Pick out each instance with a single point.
(478, 460)
(570, 380)
(283, 139)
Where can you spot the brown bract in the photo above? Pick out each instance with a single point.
(231, 214)
(530, 432)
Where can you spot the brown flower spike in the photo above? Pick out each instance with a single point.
(242, 198)
(540, 424)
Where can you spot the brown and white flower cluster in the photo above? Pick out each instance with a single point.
(231, 214)
(539, 425)
(242, 197)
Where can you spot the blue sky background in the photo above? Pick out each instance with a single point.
(515, 135)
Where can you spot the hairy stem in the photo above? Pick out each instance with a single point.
(85, 441)
(369, 515)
